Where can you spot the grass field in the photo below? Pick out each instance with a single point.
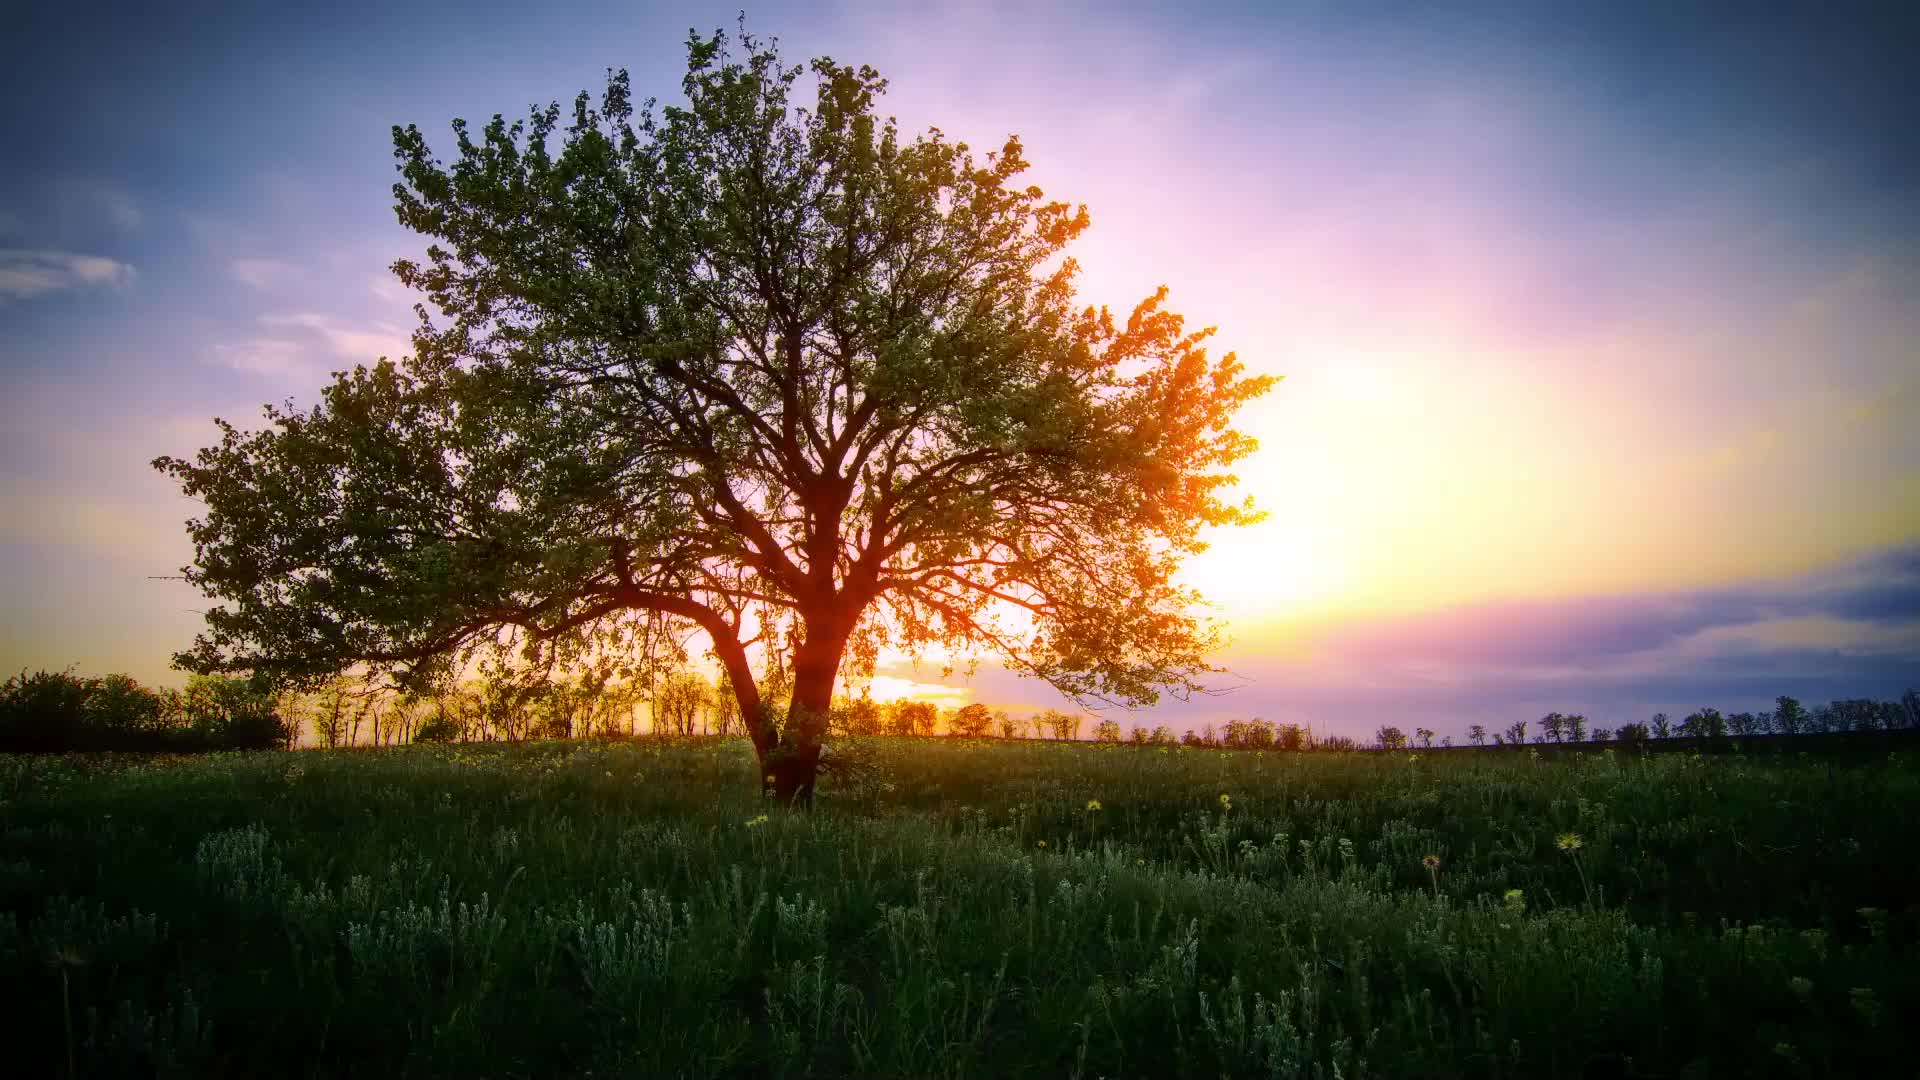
(965, 909)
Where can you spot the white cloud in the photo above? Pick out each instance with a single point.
(261, 273)
(305, 343)
(356, 344)
(25, 273)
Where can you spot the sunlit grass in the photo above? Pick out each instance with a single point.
(960, 909)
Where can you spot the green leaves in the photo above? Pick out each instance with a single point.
(723, 367)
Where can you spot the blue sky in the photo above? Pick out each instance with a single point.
(1599, 322)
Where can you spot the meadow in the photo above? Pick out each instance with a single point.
(959, 908)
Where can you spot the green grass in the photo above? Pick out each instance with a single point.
(624, 909)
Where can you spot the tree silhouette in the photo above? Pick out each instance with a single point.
(1553, 727)
(771, 376)
(912, 718)
(970, 720)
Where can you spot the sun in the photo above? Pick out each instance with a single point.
(887, 689)
(1270, 570)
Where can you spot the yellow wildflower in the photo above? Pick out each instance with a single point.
(1570, 842)
(1094, 804)
(1431, 862)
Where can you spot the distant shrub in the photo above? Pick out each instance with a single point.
(441, 727)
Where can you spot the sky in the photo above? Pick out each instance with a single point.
(1600, 324)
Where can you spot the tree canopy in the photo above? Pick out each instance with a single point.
(772, 379)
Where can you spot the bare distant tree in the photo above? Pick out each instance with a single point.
(682, 696)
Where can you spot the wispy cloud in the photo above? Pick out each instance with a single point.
(1867, 605)
(262, 356)
(25, 273)
(360, 345)
(261, 273)
(387, 287)
(307, 344)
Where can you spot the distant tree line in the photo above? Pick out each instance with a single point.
(54, 711)
(59, 711)
(1788, 717)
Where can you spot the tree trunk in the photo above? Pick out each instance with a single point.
(791, 764)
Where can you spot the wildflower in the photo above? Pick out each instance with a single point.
(1411, 758)
(1570, 842)
(1516, 900)
(66, 958)
(1042, 843)
(1431, 862)
(1094, 804)
(1139, 862)
(1226, 802)
(761, 820)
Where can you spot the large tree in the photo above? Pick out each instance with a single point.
(769, 378)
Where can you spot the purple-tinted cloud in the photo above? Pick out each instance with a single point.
(1884, 588)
